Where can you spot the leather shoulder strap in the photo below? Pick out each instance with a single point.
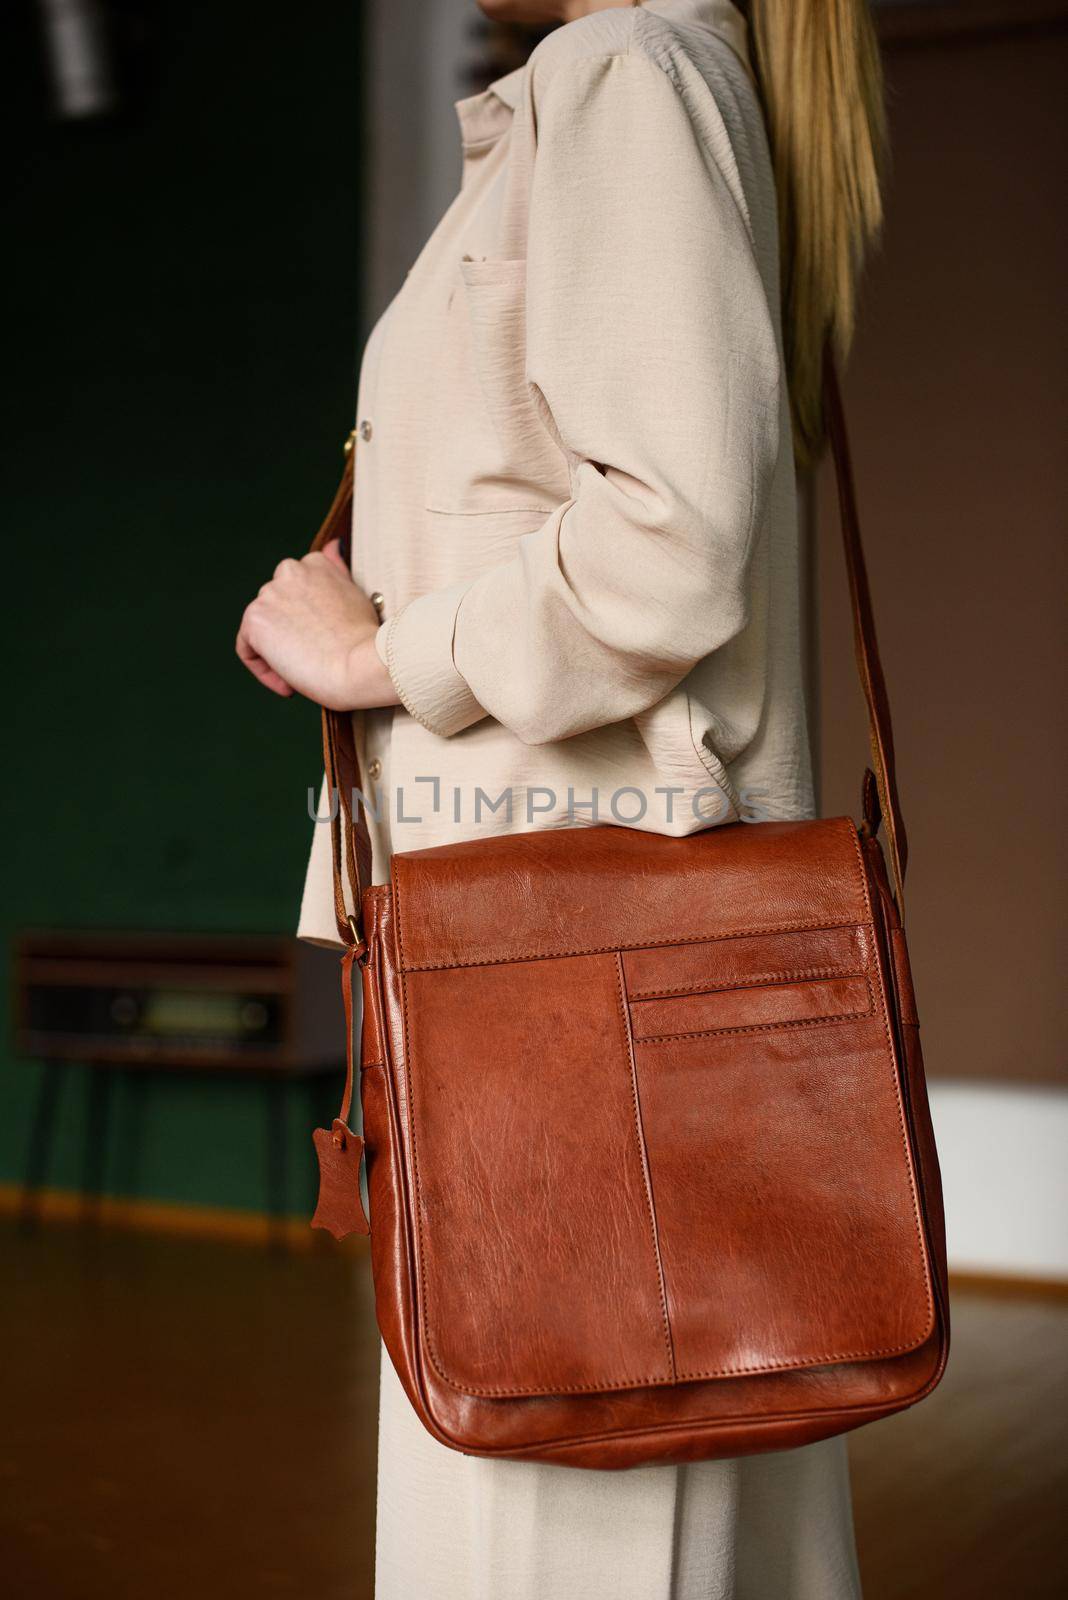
(865, 642)
(350, 839)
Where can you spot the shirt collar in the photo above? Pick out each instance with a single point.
(507, 88)
(485, 116)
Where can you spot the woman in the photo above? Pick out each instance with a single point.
(575, 510)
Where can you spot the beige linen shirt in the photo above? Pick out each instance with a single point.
(574, 465)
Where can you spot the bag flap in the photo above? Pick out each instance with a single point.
(655, 1131)
(576, 891)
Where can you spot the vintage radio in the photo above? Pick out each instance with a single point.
(176, 1000)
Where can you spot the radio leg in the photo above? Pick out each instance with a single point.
(42, 1132)
(276, 1105)
(95, 1150)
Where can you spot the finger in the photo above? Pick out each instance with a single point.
(246, 651)
(260, 669)
(270, 679)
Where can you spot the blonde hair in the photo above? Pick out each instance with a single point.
(821, 80)
(817, 64)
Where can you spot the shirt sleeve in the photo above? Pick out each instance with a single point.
(652, 358)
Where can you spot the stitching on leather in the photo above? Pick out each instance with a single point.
(420, 1294)
(801, 924)
(639, 944)
(643, 1157)
(602, 1387)
(763, 980)
(648, 1380)
(383, 891)
(719, 1424)
(792, 1364)
(396, 876)
(764, 1027)
(421, 1291)
(397, 1154)
(380, 1031)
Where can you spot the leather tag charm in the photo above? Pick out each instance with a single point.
(340, 1208)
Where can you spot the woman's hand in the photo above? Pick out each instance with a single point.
(311, 630)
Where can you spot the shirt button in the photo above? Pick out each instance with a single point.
(366, 430)
(374, 770)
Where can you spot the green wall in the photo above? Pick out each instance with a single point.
(183, 288)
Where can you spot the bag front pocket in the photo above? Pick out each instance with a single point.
(537, 1260)
(490, 450)
(771, 981)
(748, 1010)
(773, 1123)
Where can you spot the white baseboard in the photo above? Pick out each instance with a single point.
(1003, 1150)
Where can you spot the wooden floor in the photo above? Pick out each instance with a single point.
(965, 1497)
(185, 1421)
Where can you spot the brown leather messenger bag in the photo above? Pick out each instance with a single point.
(649, 1153)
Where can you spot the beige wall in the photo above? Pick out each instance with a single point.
(957, 397)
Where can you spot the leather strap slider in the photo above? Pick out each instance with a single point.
(358, 947)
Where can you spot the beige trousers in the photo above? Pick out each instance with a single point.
(453, 1527)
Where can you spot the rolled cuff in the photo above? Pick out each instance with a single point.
(416, 646)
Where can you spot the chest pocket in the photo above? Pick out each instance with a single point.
(489, 450)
